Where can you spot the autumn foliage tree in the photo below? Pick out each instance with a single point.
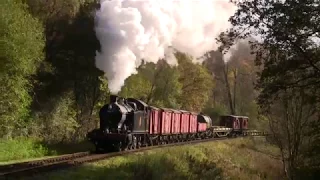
(234, 78)
(186, 86)
(289, 57)
(196, 84)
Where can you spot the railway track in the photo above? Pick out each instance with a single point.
(21, 167)
(30, 168)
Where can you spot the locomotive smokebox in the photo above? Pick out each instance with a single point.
(113, 98)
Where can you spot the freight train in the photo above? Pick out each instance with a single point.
(128, 123)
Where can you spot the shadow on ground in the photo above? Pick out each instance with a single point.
(68, 148)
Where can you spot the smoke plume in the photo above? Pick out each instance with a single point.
(132, 30)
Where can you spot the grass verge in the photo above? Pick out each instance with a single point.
(228, 159)
(22, 148)
(25, 149)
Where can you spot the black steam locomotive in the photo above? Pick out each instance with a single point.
(122, 122)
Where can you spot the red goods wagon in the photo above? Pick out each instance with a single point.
(203, 122)
(202, 127)
(165, 121)
(243, 122)
(185, 116)
(193, 123)
(154, 118)
(176, 121)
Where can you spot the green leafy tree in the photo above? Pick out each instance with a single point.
(22, 43)
(69, 67)
(167, 86)
(156, 84)
(136, 86)
(196, 83)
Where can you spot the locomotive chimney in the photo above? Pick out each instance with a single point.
(113, 98)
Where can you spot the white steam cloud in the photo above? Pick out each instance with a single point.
(132, 30)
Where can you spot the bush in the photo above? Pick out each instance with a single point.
(57, 120)
(22, 148)
(22, 42)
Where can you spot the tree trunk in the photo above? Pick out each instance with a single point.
(225, 72)
(234, 90)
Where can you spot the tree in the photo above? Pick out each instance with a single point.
(136, 86)
(289, 119)
(288, 56)
(234, 82)
(187, 86)
(156, 84)
(167, 86)
(215, 65)
(69, 70)
(288, 52)
(196, 83)
(22, 43)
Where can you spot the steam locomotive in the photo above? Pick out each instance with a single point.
(128, 123)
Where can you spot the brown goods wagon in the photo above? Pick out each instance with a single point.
(230, 121)
(185, 116)
(175, 122)
(193, 123)
(236, 123)
(243, 122)
(154, 118)
(165, 121)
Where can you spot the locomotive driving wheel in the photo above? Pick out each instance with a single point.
(98, 147)
(119, 147)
